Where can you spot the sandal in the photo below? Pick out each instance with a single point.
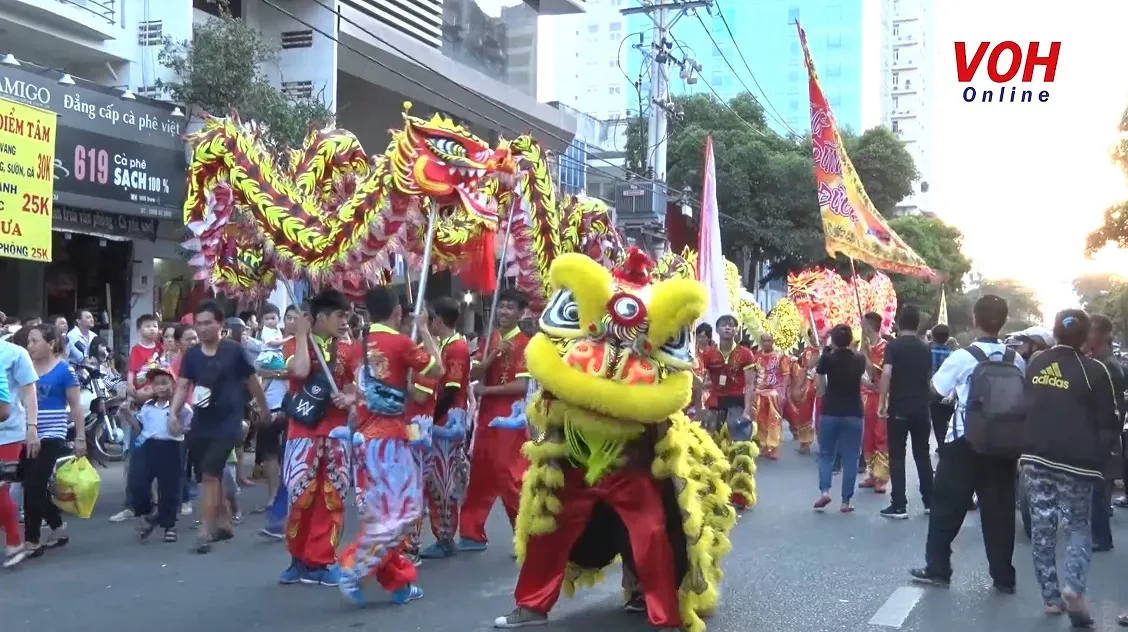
(145, 529)
(1078, 611)
(1122, 620)
(222, 535)
(1054, 609)
(170, 535)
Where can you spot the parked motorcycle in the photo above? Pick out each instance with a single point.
(102, 396)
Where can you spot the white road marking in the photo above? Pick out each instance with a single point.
(896, 609)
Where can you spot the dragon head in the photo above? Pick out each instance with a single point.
(615, 347)
(443, 160)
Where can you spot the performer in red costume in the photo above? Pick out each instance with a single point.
(315, 466)
(875, 447)
(772, 385)
(496, 463)
(445, 468)
(800, 411)
(420, 411)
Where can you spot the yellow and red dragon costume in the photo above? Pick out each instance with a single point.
(616, 467)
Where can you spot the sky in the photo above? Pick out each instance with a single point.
(1026, 182)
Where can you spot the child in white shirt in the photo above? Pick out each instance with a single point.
(159, 457)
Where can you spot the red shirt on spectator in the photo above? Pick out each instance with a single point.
(390, 356)
(343, 362)
(726, 374)
(141, 359)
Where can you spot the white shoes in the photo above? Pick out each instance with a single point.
(122, 516)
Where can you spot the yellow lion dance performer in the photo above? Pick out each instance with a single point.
(616, 468)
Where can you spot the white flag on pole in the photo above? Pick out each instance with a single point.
(710, 257)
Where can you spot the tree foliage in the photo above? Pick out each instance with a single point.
(765, 182)
(1114, 224)
(886, 168)
(1105, 293)
(941, 246)
(222, 68)
(1024, 308)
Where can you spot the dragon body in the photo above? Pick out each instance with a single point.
(328, 210)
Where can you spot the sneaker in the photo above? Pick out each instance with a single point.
(292, 575)
(314, 575)
(636, 603)
(1005, 589)
(894, 513)
(272, 533)
(353, 594)
(24, 552)
(438, 551)
(925, 576)
(330, 576)
(237, 519)
(123, 515)
(407, 594)
(186, 509)
(471, 546)
(520, 618)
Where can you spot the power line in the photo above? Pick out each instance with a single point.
(748, 66)
(717, 47)
(668, 189)
(419, 84)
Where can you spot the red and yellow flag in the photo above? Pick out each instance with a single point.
(853, 227)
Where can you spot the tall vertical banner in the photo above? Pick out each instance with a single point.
(27, 181)
(710, 256)
(853, 227)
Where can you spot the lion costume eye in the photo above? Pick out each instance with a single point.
(561, 317)
(677, 352)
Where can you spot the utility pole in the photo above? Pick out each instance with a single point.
(660, 56)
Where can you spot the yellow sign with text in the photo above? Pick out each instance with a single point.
(27, 181)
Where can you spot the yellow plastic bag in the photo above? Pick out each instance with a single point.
(76, 487)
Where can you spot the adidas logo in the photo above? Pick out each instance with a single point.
(1051, 376)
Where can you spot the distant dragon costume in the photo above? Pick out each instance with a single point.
(616, 467)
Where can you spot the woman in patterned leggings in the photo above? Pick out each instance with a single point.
(1071, 424)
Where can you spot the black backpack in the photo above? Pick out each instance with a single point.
(995, 410)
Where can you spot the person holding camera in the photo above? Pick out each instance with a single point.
(840, 372)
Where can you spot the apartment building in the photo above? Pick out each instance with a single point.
(908, 100)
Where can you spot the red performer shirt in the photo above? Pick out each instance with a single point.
(726, 374)
(390, 356)
(421, 406)
(876, 354)
(508, 368)
(343, 359)
(456, 367)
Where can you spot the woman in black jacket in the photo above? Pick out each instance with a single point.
(1070, 418)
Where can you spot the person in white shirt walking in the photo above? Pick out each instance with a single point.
(963, 471)
(161, 438)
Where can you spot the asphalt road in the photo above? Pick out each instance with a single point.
(790, 570)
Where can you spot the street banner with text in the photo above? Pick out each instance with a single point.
(27, 181)
(853, 227)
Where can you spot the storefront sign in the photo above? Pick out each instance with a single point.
(27, 153)
(80, 221)
(99, 171)
(112, 154)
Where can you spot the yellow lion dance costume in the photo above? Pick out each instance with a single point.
(616, 468)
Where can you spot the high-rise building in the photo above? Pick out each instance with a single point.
(907, 104)
(585, 61)
(765, 31)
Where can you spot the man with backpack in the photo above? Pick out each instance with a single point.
(986, 381)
